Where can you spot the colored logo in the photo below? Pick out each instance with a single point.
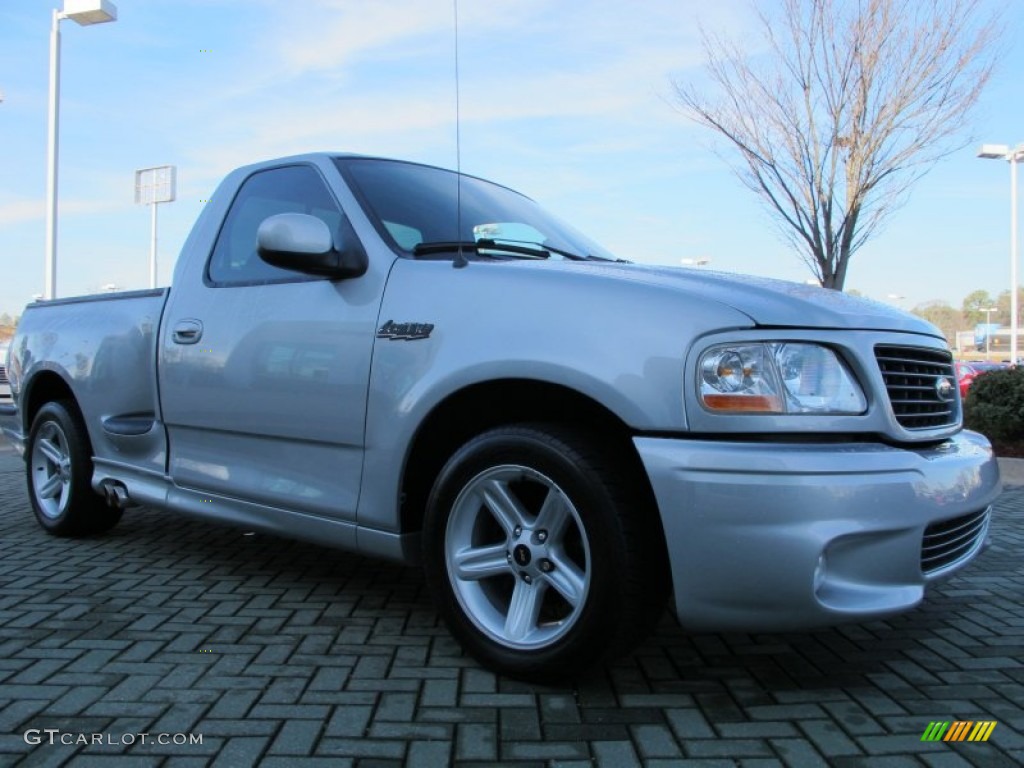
(960, 730)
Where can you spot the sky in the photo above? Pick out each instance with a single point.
(569, 102)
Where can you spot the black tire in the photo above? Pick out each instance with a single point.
(58, 463)
(531, 603)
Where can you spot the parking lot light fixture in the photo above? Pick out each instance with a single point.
(85, 13)
(1013, 155)
(88, 12)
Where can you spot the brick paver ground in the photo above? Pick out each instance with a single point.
(277, 652)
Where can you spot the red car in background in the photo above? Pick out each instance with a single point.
(965, 374)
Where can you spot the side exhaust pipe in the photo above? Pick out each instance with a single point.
(116, 495)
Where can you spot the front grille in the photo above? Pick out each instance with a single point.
(950, 541)
(911, 375)
(3, 374)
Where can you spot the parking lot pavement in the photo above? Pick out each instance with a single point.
(273, 651)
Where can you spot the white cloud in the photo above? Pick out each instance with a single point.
(20, 211)
(17, 211)
(335, 33)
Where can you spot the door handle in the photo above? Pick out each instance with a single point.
(187, 332)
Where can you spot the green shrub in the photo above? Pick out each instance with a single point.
(995, 405)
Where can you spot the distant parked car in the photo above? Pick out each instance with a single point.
(5, 387)
(965, 375)
(984, 366)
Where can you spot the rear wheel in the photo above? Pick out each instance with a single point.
(59, 469)
(541, 552)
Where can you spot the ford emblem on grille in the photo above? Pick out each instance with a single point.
(944, 389)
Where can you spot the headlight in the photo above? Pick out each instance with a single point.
(777, 378)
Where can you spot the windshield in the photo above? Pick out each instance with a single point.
(412, 205)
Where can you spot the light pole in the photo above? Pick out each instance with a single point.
(988, 327)
(84, 12)
(1004, 152)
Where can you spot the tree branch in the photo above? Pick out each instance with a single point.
(853, 103)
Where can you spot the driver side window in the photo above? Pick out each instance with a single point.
(292, 189)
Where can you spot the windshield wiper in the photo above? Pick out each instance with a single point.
(567, 254)
(478, 246)
(528, 243)
(519, 247)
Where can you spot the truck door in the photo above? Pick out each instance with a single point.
(263, 371)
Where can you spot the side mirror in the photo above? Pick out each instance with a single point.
(303, 243)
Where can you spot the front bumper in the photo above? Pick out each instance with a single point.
(777, 536)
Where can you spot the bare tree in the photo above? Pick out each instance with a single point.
(853, 101)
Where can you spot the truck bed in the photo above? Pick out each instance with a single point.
(102, 348)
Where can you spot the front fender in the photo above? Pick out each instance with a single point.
(619, 343)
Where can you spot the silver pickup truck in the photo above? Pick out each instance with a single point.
(402, 361)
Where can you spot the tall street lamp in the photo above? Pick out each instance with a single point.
(84, 12)
(988, 326)
(1004, 152)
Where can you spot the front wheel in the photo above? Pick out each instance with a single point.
(59, 468)
(542, 552)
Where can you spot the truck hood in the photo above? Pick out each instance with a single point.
(772, 303)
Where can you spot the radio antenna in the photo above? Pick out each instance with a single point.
(460, 258)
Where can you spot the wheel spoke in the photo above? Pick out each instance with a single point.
(553, 516)
(50, 488)
(523, 610)
(51, 451)
(475, 563)
(568, 579)
(504, 506)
